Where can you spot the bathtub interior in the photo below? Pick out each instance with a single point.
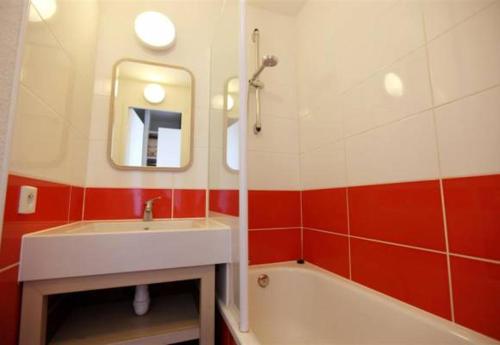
(304, 304)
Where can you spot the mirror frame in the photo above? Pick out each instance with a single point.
(225, 123)
(112, 118)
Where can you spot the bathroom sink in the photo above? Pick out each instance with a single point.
(132, 226)
(104, 247)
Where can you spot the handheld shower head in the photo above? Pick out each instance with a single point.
(267, 61)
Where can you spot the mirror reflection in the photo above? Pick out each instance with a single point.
(151, 116)
(231, 120)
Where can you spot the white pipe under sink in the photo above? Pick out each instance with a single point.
(141, 300)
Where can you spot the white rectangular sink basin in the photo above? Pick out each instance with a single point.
(132, 226)
(105, 247)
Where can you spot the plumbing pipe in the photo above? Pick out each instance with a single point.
(141, 300)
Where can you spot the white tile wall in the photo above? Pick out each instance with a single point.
(441, 15)
(324, 167)
(278, 135)
(402, 151)
(397, 91)
(11, 12)
(274, 171)
(50, 137)
(469, 135)
(392, 129)
(466, 59)
(273, 157)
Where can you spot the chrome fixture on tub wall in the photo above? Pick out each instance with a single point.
(267, 61)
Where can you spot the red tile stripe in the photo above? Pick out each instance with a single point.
(273, 209)
(473, 215)
(397, 244)
(125, 203)
(413, 276)
(53, 209)
(224, 201)
(325, 209)
(406, 213)
(476, 291)
(386, 222)
(327, 250)
(189, 203)
(274, 245)
(10, 306)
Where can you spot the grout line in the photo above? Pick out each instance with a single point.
(6, 268)
(172, 205)
(405, 117)
(378, 241)
(424, 44)
(82, 212)
(267, 229)
(454, 26)
(435, 251)
(69, 204)
(301, 226)
(472, 94)
(441, 187)
(491, 261)
(348, 232)
(447, 245)
(327, 232)
(346, 177)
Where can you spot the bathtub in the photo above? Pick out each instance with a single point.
(306, 305)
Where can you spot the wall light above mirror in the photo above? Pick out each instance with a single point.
(155, 30)
(151, 116)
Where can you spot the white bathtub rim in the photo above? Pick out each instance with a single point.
(441, 323)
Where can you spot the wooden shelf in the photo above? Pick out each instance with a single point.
(171, 319)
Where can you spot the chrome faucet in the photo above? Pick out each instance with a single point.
(148, 209)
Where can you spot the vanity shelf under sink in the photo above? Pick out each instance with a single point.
(173, 318)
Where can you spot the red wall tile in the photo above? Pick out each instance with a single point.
(76, 204)
(473, 215)
(10, 300)
(273, 209)
(266, 246)
(52, 210)
(224, 201)
(328, 251)
(414, 276)
(125, 203)
(408, 213)
(476, 295)
(189, 203)
(325, 209)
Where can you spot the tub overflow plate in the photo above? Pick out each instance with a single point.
(263, 280)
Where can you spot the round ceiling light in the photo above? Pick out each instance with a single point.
(42, 10)
(155, 29)
(154, 93)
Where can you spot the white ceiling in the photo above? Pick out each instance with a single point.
(286, 7)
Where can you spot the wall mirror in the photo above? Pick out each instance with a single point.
(231, 123)
(151, 116)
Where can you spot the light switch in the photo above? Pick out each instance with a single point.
(27, 200)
